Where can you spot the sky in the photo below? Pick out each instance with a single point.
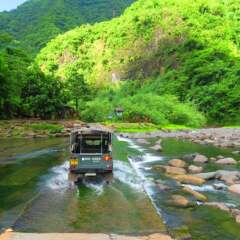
(9, 4)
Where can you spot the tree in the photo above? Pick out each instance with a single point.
(43, 96)
(77, 86)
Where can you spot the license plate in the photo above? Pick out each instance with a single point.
(91, 159)
(90, 174)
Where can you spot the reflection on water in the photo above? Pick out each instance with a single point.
(36, 195)
(51, 203)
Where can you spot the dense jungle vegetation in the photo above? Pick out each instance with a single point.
(35, 22)
(162, 62)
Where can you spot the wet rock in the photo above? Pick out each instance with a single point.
(142, 141)
(200, 159)
(197, 195)
(207, 176)
(195, 169)
(157, 147)
(226, 161)
(189, 157)
(213, 159)
(179, 201)
(177, 163)
(229, 177)
(219, 186)
(221, 206)
(175, 170)
(170, 170)
(189, 179)
(163, 187)
(220, 157)
(234, 188)
(136, 158)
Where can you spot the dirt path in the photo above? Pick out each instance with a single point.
(78, 236)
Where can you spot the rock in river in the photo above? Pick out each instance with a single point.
(219, 205)
(235, 188)
(200, 159)
(142, 141)
(197, 195)
(177, 163)
(229, 177)
(226, 161)
(195, 169)
(179, 201)
(207, 176)
(189, 179)
(157, 147)
(171, 170)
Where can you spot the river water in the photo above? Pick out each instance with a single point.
(36, 195)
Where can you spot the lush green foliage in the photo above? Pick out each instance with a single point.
(171, 47)
(141, 107)
(43, 97)
(24, 90)
(13, 68)
(51, 128)
(37, 21)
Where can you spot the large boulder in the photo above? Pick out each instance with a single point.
(177, 163)
(229, 177)
(179, 201)
(197, 195)
(207, 176)
(195, 169)
(175, 170)
(189, 157)
(226, 161)
(235, 188)
(200, 159)
(170, 170)
(189, 179)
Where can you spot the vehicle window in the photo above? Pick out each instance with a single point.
(93, 142)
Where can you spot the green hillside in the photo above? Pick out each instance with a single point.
(35, 22)
(179, 48)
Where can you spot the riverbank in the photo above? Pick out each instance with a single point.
(219, 137)
(35, 128)
(226, 137)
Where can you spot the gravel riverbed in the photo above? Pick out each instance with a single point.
(220, 137)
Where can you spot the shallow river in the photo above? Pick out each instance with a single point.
(36, 195)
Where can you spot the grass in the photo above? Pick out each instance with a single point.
(232, 126)
(176, 127)
(51, 128)
(143, 127)
(133, 127)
